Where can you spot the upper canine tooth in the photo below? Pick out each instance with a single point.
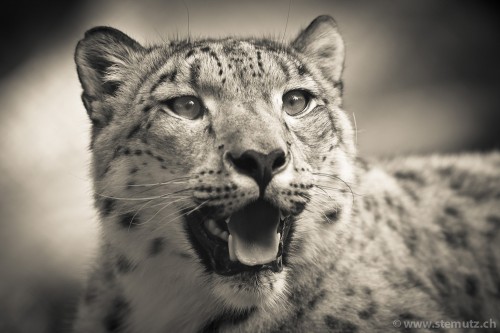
(214, 229)
(212, 226)
(227, 220)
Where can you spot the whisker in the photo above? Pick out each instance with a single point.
(184, 214)
(355, 130)
(171, 181)
(161, 209)
(338, 178)
(187, 10)
(335, 177)
(154, 186)
(196, 208)
(286, 24)
(143, 207)
(143, 199)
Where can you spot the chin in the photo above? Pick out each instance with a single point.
(250, 289)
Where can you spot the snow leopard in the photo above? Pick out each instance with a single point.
(232, 198)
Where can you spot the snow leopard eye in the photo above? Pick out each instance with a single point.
(188, 107)
(296, 101)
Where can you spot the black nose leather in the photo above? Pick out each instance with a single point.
(261, 167)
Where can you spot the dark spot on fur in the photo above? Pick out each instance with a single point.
(109, 274)
(123, 265)
(108, 206)
(339, 325)
(134, 131)
(90, 295)
(409, 176)
(456, 238)
(126, 151)
(350, 291)
(368, 312)
(317, 298)
(194, 73)
(129, 220)
(301, 70)
(209, 129)
(299, 313)
(173, 76)
(114, 320)
(407, 316)
(452, 211)
(190, 53)
(471, 285)
(134, 170)
(332, 216)
(411, 240)
(494, 221)
(441, 283)
(157, 246)
(391, 224)
(160, 159)
(446, 171)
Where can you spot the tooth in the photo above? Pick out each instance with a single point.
(227, 220)
(214, 229)
(232, 255)
(211, 226)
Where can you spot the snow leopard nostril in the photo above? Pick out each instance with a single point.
(279, 161)
(261, 167)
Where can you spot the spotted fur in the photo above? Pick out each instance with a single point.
(371, 242)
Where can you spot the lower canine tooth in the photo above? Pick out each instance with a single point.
(232, 255)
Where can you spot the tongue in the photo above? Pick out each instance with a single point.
(253, 236)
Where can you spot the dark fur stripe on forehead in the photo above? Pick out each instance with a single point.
(171, 76)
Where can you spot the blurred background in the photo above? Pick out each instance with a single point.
(421, 77)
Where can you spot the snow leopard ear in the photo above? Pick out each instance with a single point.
(322, 42)
(104, 59)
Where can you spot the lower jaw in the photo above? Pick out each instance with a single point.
(214, 253)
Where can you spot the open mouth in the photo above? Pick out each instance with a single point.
(251, 239)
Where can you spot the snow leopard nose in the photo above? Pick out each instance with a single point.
(261, 167)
